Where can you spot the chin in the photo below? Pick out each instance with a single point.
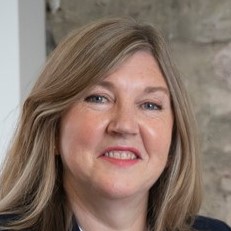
(120, 191)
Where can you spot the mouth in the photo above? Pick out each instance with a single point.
(122, 156)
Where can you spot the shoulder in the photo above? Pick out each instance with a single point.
(209, 224)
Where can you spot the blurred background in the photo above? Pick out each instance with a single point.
(199, 34)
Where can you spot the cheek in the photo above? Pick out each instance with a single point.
(79, 137)
(157, 138)
(79, 132)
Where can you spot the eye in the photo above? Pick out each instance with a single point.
(96, 99)
(151, 106)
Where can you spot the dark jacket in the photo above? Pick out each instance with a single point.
(209, 224)
(201, 224)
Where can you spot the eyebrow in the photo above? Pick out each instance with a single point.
(147, 90)
(155, 89)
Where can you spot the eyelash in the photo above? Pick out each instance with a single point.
(96, 99)
(155, 106)
(100, 99)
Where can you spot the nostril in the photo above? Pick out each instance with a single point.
(123, 127)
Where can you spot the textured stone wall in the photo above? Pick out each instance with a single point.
(200, 36)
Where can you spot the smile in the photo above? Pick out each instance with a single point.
(123, 155)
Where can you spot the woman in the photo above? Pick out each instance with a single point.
(106, 139)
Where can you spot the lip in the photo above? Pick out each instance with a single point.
(121, 162)
(122, 148)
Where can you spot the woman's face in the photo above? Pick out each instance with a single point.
(115, 140)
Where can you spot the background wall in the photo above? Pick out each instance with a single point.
(200, 36)
(22, 53)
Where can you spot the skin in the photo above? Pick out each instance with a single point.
(129, 110)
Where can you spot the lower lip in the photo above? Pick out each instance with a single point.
(120, 162)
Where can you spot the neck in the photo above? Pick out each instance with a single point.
(96, 212)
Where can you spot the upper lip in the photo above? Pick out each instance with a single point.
(122, 148)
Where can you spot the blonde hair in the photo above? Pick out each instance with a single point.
(31, 181)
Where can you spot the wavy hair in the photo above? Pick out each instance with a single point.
(32, 191)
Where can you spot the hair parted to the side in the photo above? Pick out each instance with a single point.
(31, 180)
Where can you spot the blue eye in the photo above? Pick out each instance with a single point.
(96, 99)
(151, 106)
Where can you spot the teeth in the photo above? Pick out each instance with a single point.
(123, 155)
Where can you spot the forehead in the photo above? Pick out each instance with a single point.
(138, 70)
(141, 66)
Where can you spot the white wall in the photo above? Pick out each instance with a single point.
(22, 46)
(32, 42)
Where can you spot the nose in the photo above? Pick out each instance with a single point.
(123, 121)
